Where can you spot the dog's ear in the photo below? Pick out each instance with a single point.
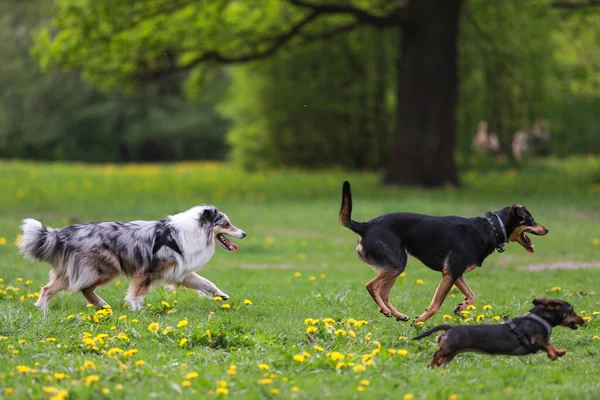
(209, 215)
(548, 303)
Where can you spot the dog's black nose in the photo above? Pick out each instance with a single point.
(243, 234)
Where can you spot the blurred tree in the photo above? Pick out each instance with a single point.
(57, 115)
(130, 42)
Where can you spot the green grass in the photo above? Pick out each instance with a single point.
(291, 220)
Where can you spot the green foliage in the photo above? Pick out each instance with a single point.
(56, 115)
(292, 228)
(320, 105)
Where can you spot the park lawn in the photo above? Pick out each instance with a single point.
(297, 263)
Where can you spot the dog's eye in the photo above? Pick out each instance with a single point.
(226, 225)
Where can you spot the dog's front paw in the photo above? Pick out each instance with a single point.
(222, 295)
(560, 353)
(403, 318)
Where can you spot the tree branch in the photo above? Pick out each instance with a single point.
(394, 18)
(575, 5)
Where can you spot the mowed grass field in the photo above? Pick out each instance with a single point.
(299, 270)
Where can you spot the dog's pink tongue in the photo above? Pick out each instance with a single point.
(234, 247)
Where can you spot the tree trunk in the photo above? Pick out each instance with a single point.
(423, 154)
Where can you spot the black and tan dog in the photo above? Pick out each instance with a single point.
(524, 335)
(451, 245)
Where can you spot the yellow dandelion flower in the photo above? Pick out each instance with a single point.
(23, 369)
(359, 368)
(420, 281)
(264, 367)
(182, 342)
(360, 388)
(392, 351)
(340, 365)
(402, 352)
(299, 358)
(247, 302)
(265, 381)
(134, 321)
(221, 384)
(49, 389)
(420, 323)
(297, 274)
(153, 327)
(317, 348)
(140, 363)
(311, 321)
(328, 321)
(496, 318)
(226, 306)
(311, 329)
(221, 391)
(89, 365)
(191, 375)
(556, 289)
(9, 390)
(365, 382)
(408, 396)
(352, 333)
(596, 241)
(122, 317)
(468, 320)
(340, 332)
(167, 330)
(336, 356)
(487, 307)
(446, 316)
(118, 386)
(587, 318)
(295, 389)
(105, 390)
(91, 379)
(322, 276)
(164, 303)
(122, 336)
(130, 353)
(186, 384)
(402, 337)
(480, 317)
(471, 307)
(218, 298)
(114, 351)
(28, 282)
(312, 278)
(596, 313)
(59, 376)
(453, 397)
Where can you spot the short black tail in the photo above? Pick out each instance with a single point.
(434, 330)
(346, 211)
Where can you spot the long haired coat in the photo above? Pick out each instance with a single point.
(85, 256)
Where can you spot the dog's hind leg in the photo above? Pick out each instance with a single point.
(203, 285)
(92, 297)
(462, 285)
(388, 283)
(55, 285)
(438, 298)
(374, 287)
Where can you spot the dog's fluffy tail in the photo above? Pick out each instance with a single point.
(433, 330)
(38, 242)
(346, 211)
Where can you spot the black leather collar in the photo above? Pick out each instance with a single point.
(164, 237)
(498, 231)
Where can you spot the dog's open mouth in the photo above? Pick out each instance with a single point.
(225, 243)
(526, 242)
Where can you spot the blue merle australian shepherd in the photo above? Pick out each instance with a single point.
(168, 251)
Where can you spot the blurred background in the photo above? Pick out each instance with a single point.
(366, 85)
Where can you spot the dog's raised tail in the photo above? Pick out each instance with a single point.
(38, 241)
(433, 330)
(346, 211)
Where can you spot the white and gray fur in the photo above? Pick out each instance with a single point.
(168, 251)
